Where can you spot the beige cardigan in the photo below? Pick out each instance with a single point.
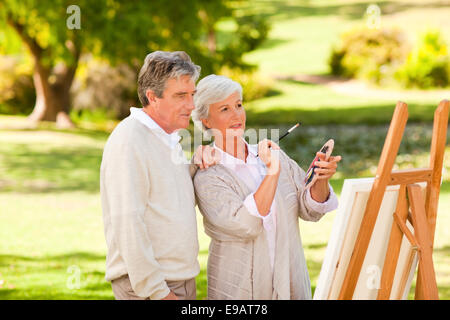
(238, 262)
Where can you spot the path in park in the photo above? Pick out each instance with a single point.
(352, 87)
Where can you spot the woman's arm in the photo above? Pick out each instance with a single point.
(225, 215)
(266, 192)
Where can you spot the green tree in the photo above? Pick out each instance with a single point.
(117, 30)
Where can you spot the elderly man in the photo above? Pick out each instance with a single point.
(147, 198)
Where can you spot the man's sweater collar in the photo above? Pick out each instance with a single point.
(171, 139)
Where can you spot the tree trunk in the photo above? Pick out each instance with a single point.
(212, 39)
(52, 99)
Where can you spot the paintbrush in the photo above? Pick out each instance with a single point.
(284, 135)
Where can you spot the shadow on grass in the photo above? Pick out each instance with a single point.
(53, 270)
(48, 277)
(29, 170)
(315, 246)
(6, 259)
(283, 10)
(90, 292)
(271, 43)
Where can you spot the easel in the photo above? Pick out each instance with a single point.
(422, 211)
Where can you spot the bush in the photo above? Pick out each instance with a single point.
(428, 65)
(368, 53)
(100, 89)
(17, 95)
(254, 85)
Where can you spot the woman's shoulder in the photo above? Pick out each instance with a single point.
(214, 173)
(214, 178)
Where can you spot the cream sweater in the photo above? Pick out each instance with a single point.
(148, 207)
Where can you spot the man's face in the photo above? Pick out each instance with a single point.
(173, 110)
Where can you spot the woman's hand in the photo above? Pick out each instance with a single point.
(326, 169)
(268, 152)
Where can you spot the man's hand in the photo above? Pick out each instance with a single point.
(171, 296)
(206, 156)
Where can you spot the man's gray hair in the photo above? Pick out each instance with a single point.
(212, 89)
(160, 66)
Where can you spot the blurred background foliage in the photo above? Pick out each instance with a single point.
(368, 54)
(93, 70)
(384, 55)
(325, 63)
(71, 67)
(428, 65)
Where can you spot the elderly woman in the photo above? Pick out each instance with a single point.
(251, 202)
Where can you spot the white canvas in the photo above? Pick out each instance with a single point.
(354, 196)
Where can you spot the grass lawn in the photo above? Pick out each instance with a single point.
(50, 213)
(50, 219)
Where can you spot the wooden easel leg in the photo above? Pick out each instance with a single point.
(436, 162)
(428, 289)
(395, 241)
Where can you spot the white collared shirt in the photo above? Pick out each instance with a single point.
(252, 172)
(171, 139)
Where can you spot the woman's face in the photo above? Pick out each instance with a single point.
(227, 117)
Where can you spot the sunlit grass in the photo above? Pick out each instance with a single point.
(50, 211)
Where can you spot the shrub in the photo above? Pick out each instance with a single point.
(102, 89)
(428, 65)
(368, 53)
(254, 85)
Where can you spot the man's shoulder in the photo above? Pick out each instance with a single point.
(129, 133)
(129, 128)
(129, 124)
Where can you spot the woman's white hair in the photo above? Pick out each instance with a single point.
(212, 89)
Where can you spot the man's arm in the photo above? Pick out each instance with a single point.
(126, 186)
